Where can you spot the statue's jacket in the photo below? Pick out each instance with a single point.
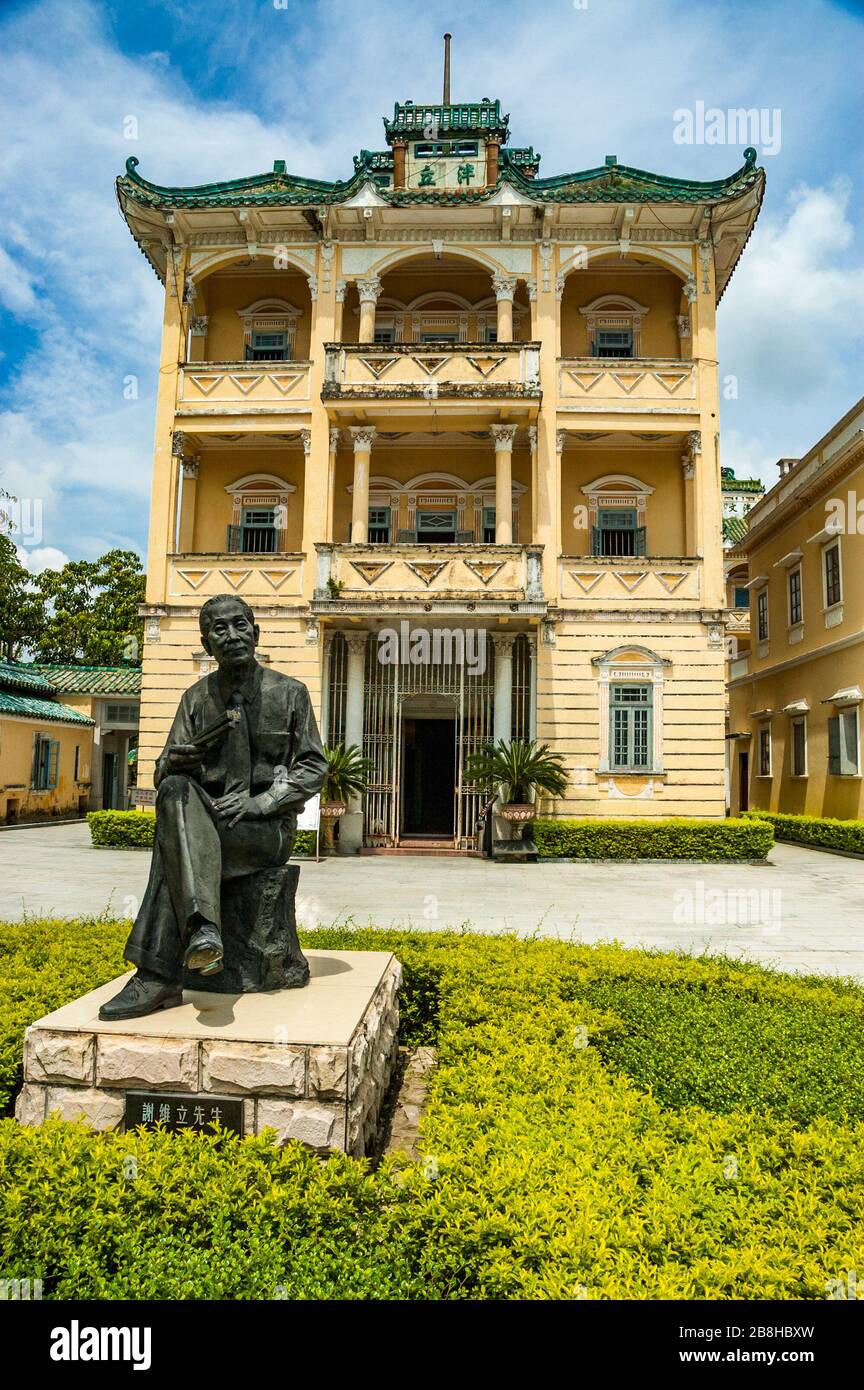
(287, 760)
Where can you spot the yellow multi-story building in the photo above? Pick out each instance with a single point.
(451, 428)
(796, 692)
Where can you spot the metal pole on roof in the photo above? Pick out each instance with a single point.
(447, 38)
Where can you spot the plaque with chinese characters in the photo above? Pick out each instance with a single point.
(152, 1108)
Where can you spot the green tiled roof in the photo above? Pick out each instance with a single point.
(93, 680)
(611, 183)
(464, 118)
(734, 529)
(15, 675)
(30, 707)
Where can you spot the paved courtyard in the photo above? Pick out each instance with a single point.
(804, 911)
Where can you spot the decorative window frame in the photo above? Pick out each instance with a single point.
(798, 715)
(609, 492)
(262, 490)
(612, 313)
(764, 727)
(270, 316)
(833, 611)
(411, 320)
(618, 667)
(440, 490)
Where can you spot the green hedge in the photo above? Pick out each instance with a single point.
(846, 835)
(137, 829)
(652, 839)
(603, 1123)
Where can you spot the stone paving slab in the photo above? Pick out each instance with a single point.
(803, 911)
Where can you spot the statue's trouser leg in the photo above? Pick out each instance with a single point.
(185, 878)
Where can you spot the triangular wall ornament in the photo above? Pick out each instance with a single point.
(245, 383)
(206, 384)
(370, 570)
(628, 381)
(670, 381)
(429, 364)
(585, 380)
(194, 578)
(485, 570)
(587, 579)
(671, 581)
(285, 382)
(276, 578)
(426, 572)
(378, 365)
(235, 577)
(485, 365)
(631, 579)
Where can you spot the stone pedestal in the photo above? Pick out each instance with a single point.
(312, 1064)
(259, 935)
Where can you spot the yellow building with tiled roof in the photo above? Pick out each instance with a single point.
(450, 396)
(45, 749)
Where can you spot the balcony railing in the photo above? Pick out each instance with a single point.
(632, 384)
(259, 577)
(379, 577)
(243, 388)
(426, 371)
(663, 582)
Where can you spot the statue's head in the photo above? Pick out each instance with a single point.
(229, 632)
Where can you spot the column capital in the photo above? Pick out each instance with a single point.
(532, 438)
(502, 437)
(368, 289)
(306, 440)
(504, 286)
(362, 436)
(198, 325)
(341, 287)
(178, 444)
(693, 442)
(335, 436)
(355, 642)
(191, 466)
(503, 643)
(312, 281)
(560, 440)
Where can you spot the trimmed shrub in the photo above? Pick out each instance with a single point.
(595, 1129)
(122, 829)
(137, 830)
(844, 835)
(652, 839)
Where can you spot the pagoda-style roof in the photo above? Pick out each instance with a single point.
(456, 118)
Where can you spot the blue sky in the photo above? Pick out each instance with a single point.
(219, 90)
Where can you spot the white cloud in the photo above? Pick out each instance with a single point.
(45, 558)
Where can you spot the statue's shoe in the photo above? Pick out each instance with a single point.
(204, 949)
(141, 995)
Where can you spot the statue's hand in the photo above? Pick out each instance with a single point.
(184, 757)
(236, 806)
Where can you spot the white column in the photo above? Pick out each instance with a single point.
(351, 827)
(325, 687)
(362, 436)
(503, 436)
(503, 687)
(368, 291)
(331, 480)
(532, 685)
(505, 288)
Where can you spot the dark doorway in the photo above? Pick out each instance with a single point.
(743, 783)
(428, 790)
(109, 780)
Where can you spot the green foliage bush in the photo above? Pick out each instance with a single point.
(652, 839)
(603, 1123)
(137, 830)
(845, 835)
(122, 829)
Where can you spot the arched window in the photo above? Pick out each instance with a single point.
(259, 517)
(269, 329)
(614, 324)
(617, 507)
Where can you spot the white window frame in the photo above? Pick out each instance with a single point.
(842, 712)
(760, 594)
(832, 610)
(793, 722)
(618, 667)
(794, 623)
(764, 728)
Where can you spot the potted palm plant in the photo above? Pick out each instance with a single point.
(519, 768)
(347, 776)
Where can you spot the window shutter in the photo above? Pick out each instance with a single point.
(234, 540)
(34, 772)
(640, 541)
(834, 745)
(848, 744)
(596, 541)
(53, 761)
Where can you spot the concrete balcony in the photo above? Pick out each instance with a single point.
(633, 386)
(244, 388)
(265, 578)
(492, 373)
(445, 578)
(739, 667)
(737, 622)
(645, 581)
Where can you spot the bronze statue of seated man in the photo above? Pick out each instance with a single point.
(242, 758)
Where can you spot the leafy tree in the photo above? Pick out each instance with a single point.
(20, 602)
(91, 611)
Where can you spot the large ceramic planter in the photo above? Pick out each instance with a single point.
(330, 813)
(518, 811)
